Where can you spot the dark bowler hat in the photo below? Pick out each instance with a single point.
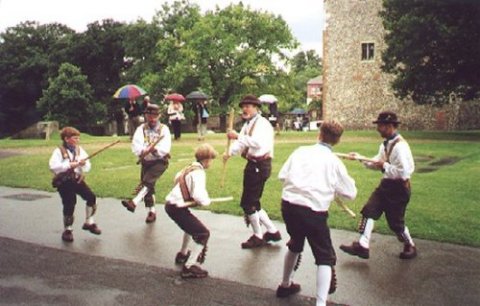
(249, 99)
(387, 117)
(152, 109)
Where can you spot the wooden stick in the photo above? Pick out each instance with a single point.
(102, 149)
(142, 156)
(229, 128)
(213, 200)
(353, 157)
(345, 207)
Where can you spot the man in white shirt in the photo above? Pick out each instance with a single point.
(312, 177)
(151, 144)
(395, 161)
(190, 190)
(254, 143)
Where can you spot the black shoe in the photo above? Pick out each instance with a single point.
(283, 292)
(409, 252)
(129, 205)
(181, 259)
(253, 242)
(151, 217)
(93, 228)
(356, 249)
(193, 272)
(272, 236)
(67, 236)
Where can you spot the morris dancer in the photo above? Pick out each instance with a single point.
(312, 176)
(152, 144)
(71, 161)
(254, 143)
(395, 161)
(190, 186)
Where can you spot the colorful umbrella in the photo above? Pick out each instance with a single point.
(176, 97)
(197, 95)
(269, 99)
(129, 91)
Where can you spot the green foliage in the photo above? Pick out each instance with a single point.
(227, 51)
(432, 48)
(444, 204)
(24, 66)
(68, 99)
(224, 52)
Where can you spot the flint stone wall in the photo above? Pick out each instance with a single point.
(355, 91)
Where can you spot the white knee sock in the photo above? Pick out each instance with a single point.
(140, 195)
(288, 265)
(367, 233)
(407, 237)
(196, 249)
(324, 275)
(265, 220)
(186, 241)
(152, 209)
(255, 223)
(89, 215)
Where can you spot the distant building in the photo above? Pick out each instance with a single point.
(314, 88)
(355, 88)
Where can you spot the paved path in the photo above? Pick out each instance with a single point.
(442, 274)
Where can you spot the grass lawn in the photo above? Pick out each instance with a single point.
(445, 203)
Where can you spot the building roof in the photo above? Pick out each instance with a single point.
(316, 80)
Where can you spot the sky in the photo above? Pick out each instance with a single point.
(304, 17)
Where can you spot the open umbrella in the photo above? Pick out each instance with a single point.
(197, 95)
(297, 111)
(176, 97)
(269, 99)
(129, 91)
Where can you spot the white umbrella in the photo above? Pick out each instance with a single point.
(269, 99)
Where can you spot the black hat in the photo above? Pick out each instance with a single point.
(250, 99)
(152, 109)
(387, 117)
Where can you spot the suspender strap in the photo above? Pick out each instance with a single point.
(158, 129)
(65, 155)
(389, 151)
(249, 133)
(182, 182)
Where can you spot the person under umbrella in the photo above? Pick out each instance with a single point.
(130, 93)
(175, 113)
(133, 111)
(201, 112)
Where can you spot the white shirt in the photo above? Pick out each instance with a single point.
(57, 164)
(175, 111)
(196, 182)
(312, 176)
(401, 165)
(140, 141)
(259, 143)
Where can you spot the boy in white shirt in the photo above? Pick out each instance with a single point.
(69, 163)
(190, 190)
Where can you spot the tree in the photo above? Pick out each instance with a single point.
(24, 70)
(100, 54)
(305, 66)
(432, 48)
(68, 99)
(227, 51)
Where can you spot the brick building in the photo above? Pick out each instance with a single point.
(354, 87)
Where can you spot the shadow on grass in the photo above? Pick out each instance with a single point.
(430, 163)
